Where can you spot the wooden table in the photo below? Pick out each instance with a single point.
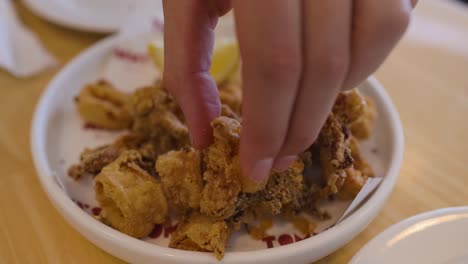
(427, 80)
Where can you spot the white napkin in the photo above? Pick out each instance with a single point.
(21, 53)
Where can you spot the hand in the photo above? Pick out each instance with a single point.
(297, 55)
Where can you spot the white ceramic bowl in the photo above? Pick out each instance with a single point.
(49, 138)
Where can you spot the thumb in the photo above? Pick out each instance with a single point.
(188, 45)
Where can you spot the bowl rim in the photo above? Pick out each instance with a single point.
(338, 234)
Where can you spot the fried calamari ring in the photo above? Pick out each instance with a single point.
(132, 200)
(101, 105)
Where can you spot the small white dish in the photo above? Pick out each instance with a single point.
(436, 237)
(57, 138)
(101, 16)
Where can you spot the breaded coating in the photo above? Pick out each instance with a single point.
(231, 95)
(201, 233)
(353, 183)
(223, 155)
(132, 200)
(101, 105)
(343, 166)
(222, 170)
(228, 112)
(93, 160)
(224, 195)
(283, 189)
(355, 111)
(349, 107)
(335, 155)
(181, 178)
(363, 127)
(156, 116)
(357, 175)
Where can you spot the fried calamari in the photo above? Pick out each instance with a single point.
(152, 171)
(132, 200)
(199, 232)
(93, 160)
(101, 105)
(181, 178)
(157, 117)
(343, 167)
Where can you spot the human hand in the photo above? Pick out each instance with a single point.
(297, 55)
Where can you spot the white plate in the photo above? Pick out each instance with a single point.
(436, 237)
(102, 16)
(57, 138)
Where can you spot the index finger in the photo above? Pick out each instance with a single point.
(269, 33)
(188, 44)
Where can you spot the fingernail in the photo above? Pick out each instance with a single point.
(261, 170)
(283, 163)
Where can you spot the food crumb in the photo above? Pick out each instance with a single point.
(303, 225)
(259, 232)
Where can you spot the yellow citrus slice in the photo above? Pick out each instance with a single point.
(224, 62)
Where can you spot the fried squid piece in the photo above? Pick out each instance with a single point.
(335, 155)
(356, 176)
(362, 128)
(156, 116)
(225, 191)
(218, 171)
(283, 189)
(222, 175)
(93, 160)
(132, 200)
(228, 112)
(355, 111)
(201, 233)
(181, 178)
(343, 167)
(103, 106)
(349, 107)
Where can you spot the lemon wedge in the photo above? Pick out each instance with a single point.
(156, 52)
(225, 59)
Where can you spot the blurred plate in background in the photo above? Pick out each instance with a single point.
(434, 237)
(101, 16)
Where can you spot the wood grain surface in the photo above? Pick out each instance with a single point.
(426, 77)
